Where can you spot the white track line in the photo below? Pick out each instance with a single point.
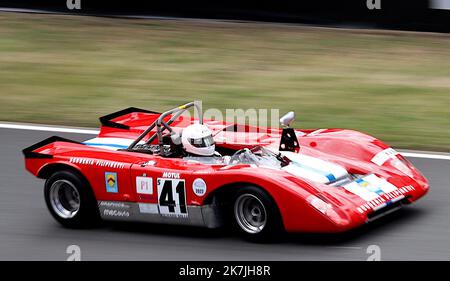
(88, 131)
(48, 128)
(426, 155)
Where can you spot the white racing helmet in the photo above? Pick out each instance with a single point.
(197, 139)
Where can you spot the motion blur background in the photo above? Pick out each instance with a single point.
(68, 69)
(336, 63)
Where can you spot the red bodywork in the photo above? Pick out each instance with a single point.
(349, 149)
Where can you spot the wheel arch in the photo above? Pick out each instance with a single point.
(225, 194)
(48, 170)
(227, 191)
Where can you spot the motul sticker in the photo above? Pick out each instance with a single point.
(171, 175)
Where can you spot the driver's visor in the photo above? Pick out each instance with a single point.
(202, 142)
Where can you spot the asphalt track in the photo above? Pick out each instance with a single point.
(28, 232)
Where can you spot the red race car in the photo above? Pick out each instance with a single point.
(167, 168)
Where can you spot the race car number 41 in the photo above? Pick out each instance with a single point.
(172, 197)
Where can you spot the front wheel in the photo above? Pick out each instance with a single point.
(256, 215)
(70, 200)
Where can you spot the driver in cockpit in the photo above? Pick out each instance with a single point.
(197, 140)
(198, 145)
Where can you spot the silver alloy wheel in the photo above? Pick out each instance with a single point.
(250, 213)
(64, 199)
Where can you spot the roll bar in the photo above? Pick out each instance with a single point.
(161, 125)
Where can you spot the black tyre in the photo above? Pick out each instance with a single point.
(70, 200)
(256, 216)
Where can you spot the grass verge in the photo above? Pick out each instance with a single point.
(70, 70)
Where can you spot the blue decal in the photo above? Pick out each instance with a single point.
(105, 144)
(329, 176)
(111, 182)
(362, 183)
(379, 192)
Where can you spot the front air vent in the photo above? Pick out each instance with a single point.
(390, 208)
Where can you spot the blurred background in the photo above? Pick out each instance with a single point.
(383, 71)
(69, 69)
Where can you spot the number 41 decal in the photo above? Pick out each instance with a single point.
(172, 197)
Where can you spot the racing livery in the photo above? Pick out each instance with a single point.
(260, 180)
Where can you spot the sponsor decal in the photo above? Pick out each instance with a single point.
(199, 187)
(385, 199)
(171, 175)
(84, 161)
(111, 182)
(114, 209)
(99, 163)
(112, 204)
(144, 185)
(115, 213)
(146, 208)
(377, 192)
(381, 157)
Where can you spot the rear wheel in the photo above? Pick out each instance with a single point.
(256, 215)
(70, 200)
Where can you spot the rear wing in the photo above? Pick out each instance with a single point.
(29, 152)
(121, 118)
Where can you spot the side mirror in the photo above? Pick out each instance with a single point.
(287, 119)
